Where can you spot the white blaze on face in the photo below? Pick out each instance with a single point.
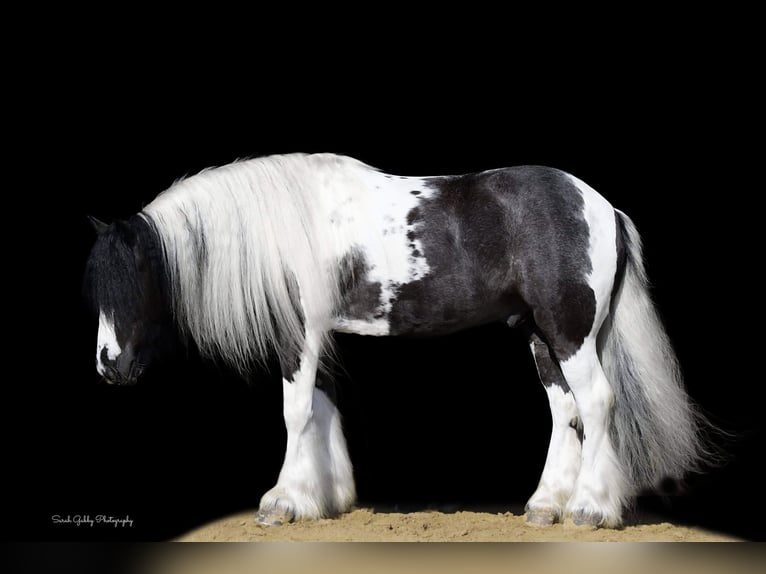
(107, 339)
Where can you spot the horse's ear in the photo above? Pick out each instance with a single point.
(98, 225)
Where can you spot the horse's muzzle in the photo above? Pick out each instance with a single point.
(122, 370)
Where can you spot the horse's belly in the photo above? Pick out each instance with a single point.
(438, 308)
(427, 307)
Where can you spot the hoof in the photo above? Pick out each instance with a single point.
(274, 517)
(542, 517)
(584, 518)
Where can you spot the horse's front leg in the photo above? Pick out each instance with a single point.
(316, 479)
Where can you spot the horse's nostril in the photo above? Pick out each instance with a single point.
(104, 356)
(135, 371)
(112, 373)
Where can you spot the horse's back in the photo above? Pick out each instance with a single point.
(494, 244)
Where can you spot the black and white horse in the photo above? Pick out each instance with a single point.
(271, 255)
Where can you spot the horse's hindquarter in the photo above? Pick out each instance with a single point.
(435, 255)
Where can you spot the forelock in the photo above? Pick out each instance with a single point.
(111, 277)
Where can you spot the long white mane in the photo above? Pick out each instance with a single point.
(238, 239)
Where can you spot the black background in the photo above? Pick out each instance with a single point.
(454, 423)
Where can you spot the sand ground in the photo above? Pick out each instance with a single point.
(367, 525)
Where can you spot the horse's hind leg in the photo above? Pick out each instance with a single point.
(602, 486)
(316, 479)
(546, 506)
(570, 328)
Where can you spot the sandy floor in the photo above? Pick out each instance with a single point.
(366, 525)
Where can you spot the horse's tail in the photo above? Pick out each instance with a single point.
(654, 426)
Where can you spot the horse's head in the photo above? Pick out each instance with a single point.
(125, 282)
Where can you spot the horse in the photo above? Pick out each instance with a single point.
(268, 256)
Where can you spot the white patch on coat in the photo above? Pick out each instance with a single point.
(373, 327)
(602, 249)
(107, 339)
(371, 216)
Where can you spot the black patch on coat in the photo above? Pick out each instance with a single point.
(576, 424)
(500, 243)
(620, 240)
(289, 363)
(547, 366)
(360, 298)
(290, 357)
(413, 215)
